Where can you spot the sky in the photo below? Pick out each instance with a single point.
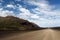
(44, 13)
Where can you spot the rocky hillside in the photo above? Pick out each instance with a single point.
(14, 23)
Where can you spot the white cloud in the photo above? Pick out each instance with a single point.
(10, 6)
(43, 7)
(25, 13)
(35, 16)
(5, 13)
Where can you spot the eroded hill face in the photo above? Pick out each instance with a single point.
(14, 23)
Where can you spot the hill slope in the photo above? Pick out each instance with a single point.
(14, 23)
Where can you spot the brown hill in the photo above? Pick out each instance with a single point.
(14, 23)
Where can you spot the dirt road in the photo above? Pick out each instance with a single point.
(45, 34)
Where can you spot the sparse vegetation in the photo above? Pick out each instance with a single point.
(14, 23)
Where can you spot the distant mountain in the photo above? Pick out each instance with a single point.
(14, 23)
(57, 28)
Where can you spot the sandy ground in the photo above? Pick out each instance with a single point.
(45, 34)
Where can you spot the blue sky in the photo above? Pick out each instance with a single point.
(45, 13)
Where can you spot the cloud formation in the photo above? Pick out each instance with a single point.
(44, 14)
(10, 6)
(49, 13)
(5, 13)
